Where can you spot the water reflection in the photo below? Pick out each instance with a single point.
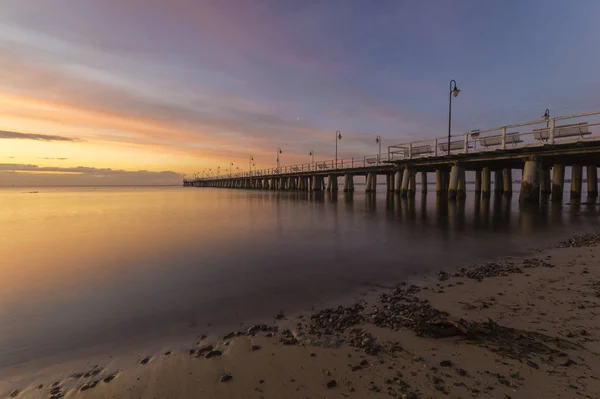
(130, 262)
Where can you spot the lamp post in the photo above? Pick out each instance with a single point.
(230, 165)
(453, 93)
(338, 136)
(250, 164)
(218, 170)
(546, 116)
(278, 152)
(378, 141)
(312, 154)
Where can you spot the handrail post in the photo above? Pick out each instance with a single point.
(466, 143)
(435, 147)
(504, 138)
(409, 150)
(551, 131)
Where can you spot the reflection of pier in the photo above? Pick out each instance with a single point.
(541, 149)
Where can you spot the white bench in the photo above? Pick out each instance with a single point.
(492, 141)
(454, 145)
(576, 129)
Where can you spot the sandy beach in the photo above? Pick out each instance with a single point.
(515, 328)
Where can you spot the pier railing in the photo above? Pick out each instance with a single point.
(557, 130)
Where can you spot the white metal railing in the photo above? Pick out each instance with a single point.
(558, 130)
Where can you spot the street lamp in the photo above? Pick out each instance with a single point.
(250, 164)
(218, 170)
(338, 136)
(453, 93)
(546, 116)
(378, 141)
(312, 154)
(230, 165)
(278, 152)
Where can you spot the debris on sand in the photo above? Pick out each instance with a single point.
(579, 241)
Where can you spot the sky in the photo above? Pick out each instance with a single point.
(145, 91)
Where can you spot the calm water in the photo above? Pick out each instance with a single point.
(83, 267)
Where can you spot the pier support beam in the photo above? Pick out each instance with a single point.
(545, 181)
(406, 177)
(389, 182)
(454, 177)
(558, 182)
(398, 181)
(498, 182)
(424, 182)
(576, 181)
(592, 181)
(332, 184)
(478, 182)
(486, 182)
(507, 176)
(371, 182)
(530, 183)
(316, 183)
(412, 184)
(348, 182)
(461, 192)
(440, 184)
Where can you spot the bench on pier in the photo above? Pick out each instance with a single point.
(371, 161)
(415, 151)
(495, 140)
(295, 169)
(454, 145)
(576, 129)
(322, 166)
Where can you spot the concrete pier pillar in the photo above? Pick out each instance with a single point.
(461, 192)
(478, 182)
(592, 181)
(530, 183)
(316, 183)
(545, 182)
(369, 182)
(454, 176)
(486, 182)
(332, 183)
(507, 178)
(576, 181)
(439, 182)
(424, 182)
(348, 182)
(398, 180)
(406, 176)
(412, 184)
(498, 181)
(389, 182)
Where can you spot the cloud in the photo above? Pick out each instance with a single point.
(34, 175)
(4, 134)
(58, 159)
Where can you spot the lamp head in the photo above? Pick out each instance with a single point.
(455, 91)
(339, 135)
(546, 114)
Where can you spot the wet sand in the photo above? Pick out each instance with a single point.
(516, 328)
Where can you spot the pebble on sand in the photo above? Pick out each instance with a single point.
(226, 378)
(331, 384)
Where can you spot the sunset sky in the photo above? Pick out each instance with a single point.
(142, 91)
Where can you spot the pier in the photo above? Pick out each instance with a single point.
(542, 150)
